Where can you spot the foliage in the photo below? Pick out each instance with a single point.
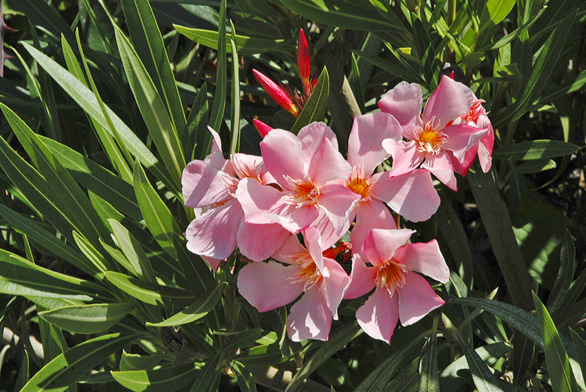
(105, 102)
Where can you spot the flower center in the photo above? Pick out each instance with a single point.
(309, 274)
(429, 140)
(390, 275)
(304, 192)
(358, 184)
(474, 113)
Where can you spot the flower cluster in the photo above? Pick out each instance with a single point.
(302, 188)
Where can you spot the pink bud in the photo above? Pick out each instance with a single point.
(261, 127)
(276, 93)
(303, 60)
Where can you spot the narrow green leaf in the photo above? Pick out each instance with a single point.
(315, 108)
(565, 275)
(163, 379)
(429, 369)
(148, 43)
(265, 355)
(138, 362)
(235, 115)
(244, 44)
(152, 108)
(44, 14)
(534, 166)
(244, 377)
(23, 372)
(580, 349)
(243, 340)
(198, 309)
(94, 177)
(219, 105)
(21, 277)
(338, 339)
(96, 257)
(499, 9)
(87, 101)
(208, 379)
(558, 363)
(157, 216)
(87, 319)
(150, 293)
(197, 123)
(401, 71)
(68, 367)
(380, 377)
(133, 252)
(535, 149)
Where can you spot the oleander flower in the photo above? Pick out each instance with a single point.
(400, 292)
(433, 134)
(306, 271)
(209, 187)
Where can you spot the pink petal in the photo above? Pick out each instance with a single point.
(411, 195)
(486, 145)
(268, 286)
(338, 202)
(462, 168)
(403, 102)
(290, 250)
(379, 315)
(262, 128)
(213, 263)
(312, 241)
(416, 299)
(329, 234)
(246, 165)
(381, 245)
(361, 279)
(281, 153)
(425, 258)
(312, 136)
(450, 100)
(369, 215)
(365, 142)
(216, 142)
(333, 287)
(310, 317)
(440, 165)
(258, 200)
(276, 93)
(259, 242)
(461, 138)
(327, 164)
(406, 157)
(213, 234)
(203, 185)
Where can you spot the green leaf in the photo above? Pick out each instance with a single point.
(235, 115)
(315, 108)
(94, 177)
(558, 363)
(88, 102)
(565, 275)
(540, 72)
(244, 44)
(149, 293)
(264, 355)
(156, 214)
(534, 166)
(21, 277)
(580, 349)
(429, 369)
(198, 309)
(43, 14)
(337, 341)
(68, 367)
(148, 43)
(243, 340)
(163, 379)
(133, 252)
(197, 123)
(219, 105)
(244, 377)
(499, 9)
(380, 377)
(138, 362)
(152, 108)
(87, 319)
(535, 149)
(209, 378)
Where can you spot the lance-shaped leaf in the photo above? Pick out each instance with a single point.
(138, 362)
(148, 43)
(152, 108)
(87, 319)
(86, 99)
(19, 276)
(244, 44)
(315, 108)
(198, 309)
(208, 379)
(133, 252)
(150, 293)
(68, 367)
(219, 105)
(156, 214)
(163, 379)
(558, 363)
(535, 149)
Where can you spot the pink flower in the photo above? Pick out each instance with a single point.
(209, 187)
(400, 293)
(431, 135)
(411, 194)
(308, 169)
(320, 279)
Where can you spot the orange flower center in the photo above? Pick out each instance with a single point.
(358, 184)
(304, 192)
(309, 274)
(390, 275)
(429, 139)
